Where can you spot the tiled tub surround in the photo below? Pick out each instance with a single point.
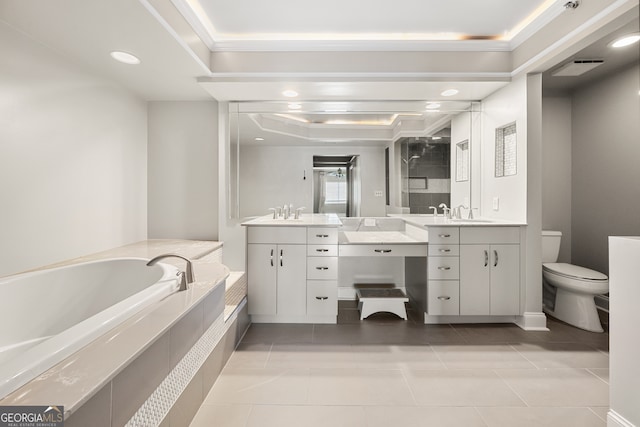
(175, 349)
(75, 304)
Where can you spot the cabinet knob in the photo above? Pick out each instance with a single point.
(444, 298)
(444, 268)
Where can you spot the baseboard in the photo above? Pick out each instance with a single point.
(532, 321)
(602, 302)
(616, 420)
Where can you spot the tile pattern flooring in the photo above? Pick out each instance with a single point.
(384, 371)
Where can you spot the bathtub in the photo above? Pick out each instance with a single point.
(47, 315)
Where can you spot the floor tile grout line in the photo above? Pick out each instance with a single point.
(408, 384)
(538, 368)
(596, 414)
(486, 423)
(526, 404)
(594, 374)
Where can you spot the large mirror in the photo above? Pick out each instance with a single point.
(351, 158)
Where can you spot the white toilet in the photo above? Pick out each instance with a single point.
(569, 289)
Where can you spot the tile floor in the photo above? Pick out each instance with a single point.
(384, 371)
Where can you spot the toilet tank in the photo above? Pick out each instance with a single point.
(550, 245)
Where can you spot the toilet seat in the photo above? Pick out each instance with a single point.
(571, 271)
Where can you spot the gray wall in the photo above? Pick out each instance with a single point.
(556, 165)
(73, 164)
(605, 166)
(183, 170)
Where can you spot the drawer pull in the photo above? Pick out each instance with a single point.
(444, 298)
(322, 235)
(444, 235)
(271, 257)
(382, 251)
(444, 268)
(322, 298)
(486, 258)
(322, 250)
(495, 254)
(322, 268)
(444, 251)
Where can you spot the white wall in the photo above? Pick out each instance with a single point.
(605, 170)
(183, 170)
(503, 107)
(274, 175)
(72, 159)
(556, 179)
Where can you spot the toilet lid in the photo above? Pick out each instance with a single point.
(571, 270)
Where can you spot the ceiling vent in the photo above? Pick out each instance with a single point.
(577, 67)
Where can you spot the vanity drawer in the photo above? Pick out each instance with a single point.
(443, 268)
(276, 235)
(322, 250)
(444, 250)
(444, 235)
(322, 268)
(322, 236)
(443, 298)
(408, 250)
(322, 298)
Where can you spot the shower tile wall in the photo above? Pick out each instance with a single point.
(433, 163)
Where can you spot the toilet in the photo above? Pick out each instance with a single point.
(568, 290)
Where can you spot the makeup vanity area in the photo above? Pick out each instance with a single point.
(453, 271)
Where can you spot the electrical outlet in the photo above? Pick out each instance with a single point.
(378, 193)
(496, 203)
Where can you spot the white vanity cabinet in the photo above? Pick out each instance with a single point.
(322, 274)
(443, 286)
(277, 271)
(489, 270)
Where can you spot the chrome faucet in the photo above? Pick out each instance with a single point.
(298, 212)
(446, 210)
(457, 213)
(435, 211)
(186, 276)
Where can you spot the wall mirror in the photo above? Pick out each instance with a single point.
(397, 156)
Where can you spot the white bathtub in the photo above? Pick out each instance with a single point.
(47, 315)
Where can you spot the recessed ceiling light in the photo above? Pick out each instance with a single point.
(294, 106)
(449, 92)
(259, 139)
(626, 40)
(289, 93)
(433, 106)
(125, 58)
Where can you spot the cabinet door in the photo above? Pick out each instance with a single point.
(261, 270)
(292, 280)
(475, 279)
(505, 279)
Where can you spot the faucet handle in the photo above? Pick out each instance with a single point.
(298, 211)
(471, 212)
(274, 212)
(435, 211)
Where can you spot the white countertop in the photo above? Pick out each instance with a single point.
(331, 220)
(426, 220)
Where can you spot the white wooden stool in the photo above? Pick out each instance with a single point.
(376, 300)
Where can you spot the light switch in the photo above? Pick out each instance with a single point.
(496, 203)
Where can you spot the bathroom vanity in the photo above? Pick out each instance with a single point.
(453, 271)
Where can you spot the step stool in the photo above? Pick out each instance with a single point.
(376, 300)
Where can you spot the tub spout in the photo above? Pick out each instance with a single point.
(186, 277)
